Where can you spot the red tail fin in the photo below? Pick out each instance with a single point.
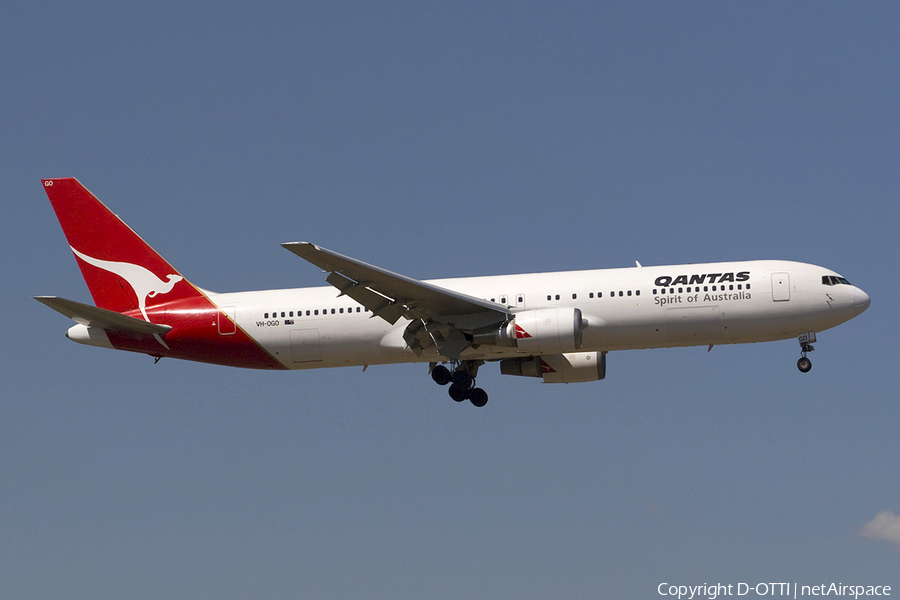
(121, 270)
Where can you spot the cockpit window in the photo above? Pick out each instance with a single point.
(834, 280)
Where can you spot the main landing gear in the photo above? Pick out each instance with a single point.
(806, 340)
(461, 380)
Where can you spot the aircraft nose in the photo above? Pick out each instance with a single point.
(861, 300)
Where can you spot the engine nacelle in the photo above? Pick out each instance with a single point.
(541, 331)
(570, 367)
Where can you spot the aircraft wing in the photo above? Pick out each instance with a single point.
(91, 316)
(391, 296)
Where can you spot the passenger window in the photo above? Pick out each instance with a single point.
(574, 296)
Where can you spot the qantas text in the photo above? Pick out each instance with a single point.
(710, 278)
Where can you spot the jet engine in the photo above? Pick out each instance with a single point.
(545, 330)
(569, 367)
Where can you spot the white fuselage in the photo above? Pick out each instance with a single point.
(629, 308)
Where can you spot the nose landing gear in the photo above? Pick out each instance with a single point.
(806, 340)
(461, 380)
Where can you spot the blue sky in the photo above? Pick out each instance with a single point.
(442, 140)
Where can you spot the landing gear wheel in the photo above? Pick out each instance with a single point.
(478, 397)
(462, 379)
(457, 393)
(806, 345)
(441, 375)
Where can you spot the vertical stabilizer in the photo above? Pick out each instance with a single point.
(121, 270)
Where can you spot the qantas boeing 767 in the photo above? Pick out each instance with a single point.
(556, 326)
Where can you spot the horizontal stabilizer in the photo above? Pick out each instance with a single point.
(100, 318)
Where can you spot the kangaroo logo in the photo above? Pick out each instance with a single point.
(144, 283)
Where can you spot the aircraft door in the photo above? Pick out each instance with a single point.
(226, 320)
(305, 345)
(694, 325)
(781, 287)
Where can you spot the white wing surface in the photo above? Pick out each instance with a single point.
(440, 316)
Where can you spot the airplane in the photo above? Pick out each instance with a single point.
(556, 326)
